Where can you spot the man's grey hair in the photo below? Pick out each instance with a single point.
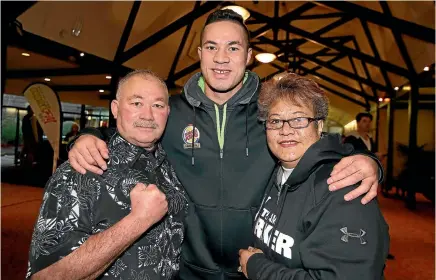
(143, 73)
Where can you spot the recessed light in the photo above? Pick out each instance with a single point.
(82, 54)
(387, 99)
(108, 77)
(380, 99)
(47, 79)
(396, 88)
(101, 90)
(25, 54)
(426, 68)
(266, 57)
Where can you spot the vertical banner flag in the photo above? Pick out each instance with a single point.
(46, 107)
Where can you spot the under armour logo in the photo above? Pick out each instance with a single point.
(353, 235)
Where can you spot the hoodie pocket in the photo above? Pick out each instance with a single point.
(191, 272)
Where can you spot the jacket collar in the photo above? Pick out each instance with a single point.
(122, 152)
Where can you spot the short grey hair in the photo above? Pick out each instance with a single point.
(296, 89)
(143, 73)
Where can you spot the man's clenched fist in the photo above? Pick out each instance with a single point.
(149, 204)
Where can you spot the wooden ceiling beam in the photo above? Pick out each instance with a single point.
(168, 30)
(406, 27)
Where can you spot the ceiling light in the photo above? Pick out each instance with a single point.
(239, 10)
(25, 54)
(47, 79)
(396, 88)
(108, 77)
(406, 88)
(82, 54)
(266, 57)
(426, 68)
(101, 90)
(387, 99)
(380, 99)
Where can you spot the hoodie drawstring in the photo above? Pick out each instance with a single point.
(193, 137)
(246, 129)
(284, 191)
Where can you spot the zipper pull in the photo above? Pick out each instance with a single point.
(278, 195)
(221, 153)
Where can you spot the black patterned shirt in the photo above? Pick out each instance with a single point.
(76, 206)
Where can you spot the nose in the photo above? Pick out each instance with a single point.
(147, 113)
(287, 129)
(221, 56)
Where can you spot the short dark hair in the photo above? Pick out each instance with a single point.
(226, 15)
(295, 88)
(363, 115)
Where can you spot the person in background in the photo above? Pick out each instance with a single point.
(32, 138)
(361, 139)
(303, 231)
(73, 132)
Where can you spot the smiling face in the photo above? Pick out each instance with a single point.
(141, 110)
(289, 144)
(224, 55)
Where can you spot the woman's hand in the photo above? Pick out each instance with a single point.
(244, 255)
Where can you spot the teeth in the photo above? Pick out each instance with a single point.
(220, 71)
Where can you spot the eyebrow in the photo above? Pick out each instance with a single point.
(160, 99)
(209, 42)
(135, 96)
(228, 43)
(234, 43)
(298, 112)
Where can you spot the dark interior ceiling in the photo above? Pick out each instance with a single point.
(357, 51)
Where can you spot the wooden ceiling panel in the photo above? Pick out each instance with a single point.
(386, 44)
(15, 60)
(422, 12)
(153, 16)
(159, 57)
(100, 23)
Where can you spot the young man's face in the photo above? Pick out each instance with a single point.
(224, 54)
(141, 111)
(364, 124)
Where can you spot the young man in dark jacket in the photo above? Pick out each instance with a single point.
(360, 139)
(218, 149)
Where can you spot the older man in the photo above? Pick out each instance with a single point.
(114, 224)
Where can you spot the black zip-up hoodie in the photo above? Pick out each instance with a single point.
(317, 235)
(225, 184)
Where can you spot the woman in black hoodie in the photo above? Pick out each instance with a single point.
(303, 231)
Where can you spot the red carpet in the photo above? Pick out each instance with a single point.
(412, 234)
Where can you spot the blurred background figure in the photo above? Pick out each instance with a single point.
(32, 138)
(73, 132)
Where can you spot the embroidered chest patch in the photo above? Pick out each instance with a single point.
(191, 136)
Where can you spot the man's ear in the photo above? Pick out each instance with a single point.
(249, 54)
(320, 127)
(114, 108)
(199, 52)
